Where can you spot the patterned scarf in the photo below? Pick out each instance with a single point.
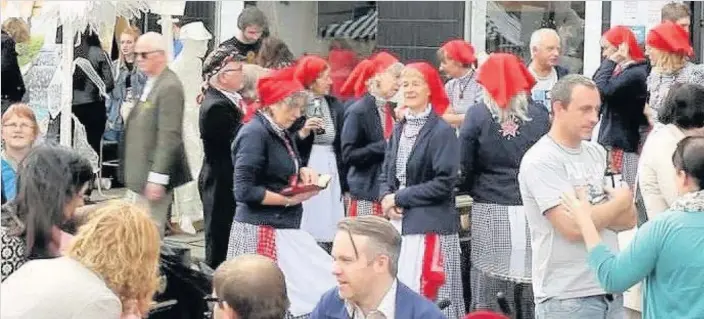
(692, 202)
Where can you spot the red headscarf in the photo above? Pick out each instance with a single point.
(671, 38)
(484, 314)
(460, 51)
(622, 34)
(503, 76)
(357, 81)
(438, 97)
(277, 85)
(308, 69)
(341, 64)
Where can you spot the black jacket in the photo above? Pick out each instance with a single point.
(623, 97)
(13, 88)
(306, 145)
(84, 91)
(262, 163)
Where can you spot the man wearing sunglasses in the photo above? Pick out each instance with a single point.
(366, 250)
(248, 286)
(153, 161)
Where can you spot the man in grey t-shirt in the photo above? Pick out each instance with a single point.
(560, 162)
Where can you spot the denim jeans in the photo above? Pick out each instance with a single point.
(594, 307)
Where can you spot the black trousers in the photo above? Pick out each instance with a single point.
(93, 116)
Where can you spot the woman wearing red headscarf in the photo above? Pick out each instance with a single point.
(621, 80)
(497, 133)
(669, 49)
(368, 125)
(267, 223)
(457, 60)
(319, 145)
(417, 190)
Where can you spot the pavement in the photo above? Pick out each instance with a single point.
(195, 242)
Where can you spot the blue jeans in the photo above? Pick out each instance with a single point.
(594, 307)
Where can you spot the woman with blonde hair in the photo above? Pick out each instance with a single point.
(250, 97)
(669, 49)
(497, 133)
(129, 82)
(109, 270)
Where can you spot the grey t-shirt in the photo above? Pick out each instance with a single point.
(560, 268)
(58, 288)
(541, 91)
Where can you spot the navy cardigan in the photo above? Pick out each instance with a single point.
(490, 161)
(623, 97)
(363, 147)
(263, 163)
(409, 305)
(305, 145)
(428, 200)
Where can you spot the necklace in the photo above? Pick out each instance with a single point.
(463, 86)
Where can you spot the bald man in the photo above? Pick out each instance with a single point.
(249, 286)
(153, 160)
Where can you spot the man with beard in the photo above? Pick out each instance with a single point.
(251, 24)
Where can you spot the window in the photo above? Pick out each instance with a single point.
(509, 25)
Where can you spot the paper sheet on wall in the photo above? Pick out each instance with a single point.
(641, 16)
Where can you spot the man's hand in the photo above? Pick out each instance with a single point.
(154, 192)
(622, 195)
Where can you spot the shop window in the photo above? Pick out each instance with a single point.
(509, 25)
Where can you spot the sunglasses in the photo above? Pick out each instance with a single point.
(145, 55)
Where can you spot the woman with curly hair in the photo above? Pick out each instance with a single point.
(93, 283)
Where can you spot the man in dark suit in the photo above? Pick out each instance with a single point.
(366, 251)
(221, 114)
(154, 159)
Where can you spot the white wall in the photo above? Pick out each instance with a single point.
(296, 24)
(227, 19)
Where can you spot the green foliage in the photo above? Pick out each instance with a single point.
(29, 50)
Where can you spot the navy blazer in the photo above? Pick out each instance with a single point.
(305, 145)
(623, 97)
(363, 147)
(409, 305)
(428, 200)
(263, 163)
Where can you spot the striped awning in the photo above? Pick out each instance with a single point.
(362, 28)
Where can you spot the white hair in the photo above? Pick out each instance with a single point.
(517, 108)
(537, 37)
(155, 40)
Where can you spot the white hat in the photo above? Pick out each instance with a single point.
(195, 31)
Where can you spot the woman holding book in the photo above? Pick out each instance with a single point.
(418, 178)
(319, 144)
(368, 125)
(267, 162)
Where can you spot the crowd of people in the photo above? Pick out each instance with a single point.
(325, 198)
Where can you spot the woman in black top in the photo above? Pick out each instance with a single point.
(268, 223)
(92, 81)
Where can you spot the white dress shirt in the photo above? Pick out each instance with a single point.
(385, 310)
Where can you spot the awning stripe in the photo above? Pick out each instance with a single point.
(362, 28)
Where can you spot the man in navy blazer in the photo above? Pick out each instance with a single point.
(366, 250)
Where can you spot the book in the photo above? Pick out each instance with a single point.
(295, 189)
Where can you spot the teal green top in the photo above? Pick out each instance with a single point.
(668, 252)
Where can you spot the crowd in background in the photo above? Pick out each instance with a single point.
(328, 184)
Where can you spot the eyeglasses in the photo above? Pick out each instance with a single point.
(212, 301)
(145, 54)
(22, 126)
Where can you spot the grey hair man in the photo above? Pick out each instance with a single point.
(249, 286)
(561, 162)
(545, 53)
(678, 13)
(153, 162)
(366, 252)
(251, 24)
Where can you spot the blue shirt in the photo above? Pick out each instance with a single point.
(8, 180)
(667, 252)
